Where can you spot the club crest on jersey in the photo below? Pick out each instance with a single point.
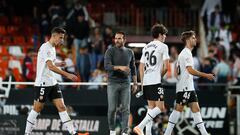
(48, 53)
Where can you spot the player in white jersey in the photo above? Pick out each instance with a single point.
(153, 66)
(46, 85)
(185, 91)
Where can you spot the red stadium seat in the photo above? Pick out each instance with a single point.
(3, 30)
(19, 40)
(4, 20)
(4, 51)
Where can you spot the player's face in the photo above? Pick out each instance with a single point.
(163, 37)
(119, 40)
(193, 40)
(59, 39)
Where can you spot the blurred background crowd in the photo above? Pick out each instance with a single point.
(90, 29)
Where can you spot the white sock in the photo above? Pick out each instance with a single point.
(173, 119)
(149, 126)
(31, 121)
(149, 117)
(199, 123)
(66, 120)
(112, 132)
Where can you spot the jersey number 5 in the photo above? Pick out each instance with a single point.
(151, 59)
(42, 91)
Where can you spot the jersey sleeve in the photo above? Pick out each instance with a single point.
(188, 60)
(165, 53)
(48, 55)
(142, 60)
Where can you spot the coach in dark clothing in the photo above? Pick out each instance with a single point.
(119, 61)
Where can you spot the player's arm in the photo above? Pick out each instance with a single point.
(141, 72)
(55, 69)
(165, 62)
(199, 74)
(60, 64)
(165, 67)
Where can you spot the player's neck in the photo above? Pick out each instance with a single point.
(157, 39)
(189, 47)
(52, 43)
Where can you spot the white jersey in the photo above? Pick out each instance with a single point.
(45, 77)
(153, 56)
(185, 79)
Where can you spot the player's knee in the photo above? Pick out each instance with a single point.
(151, 106)
(194, 110)
(161, 107)
(61, 108)
(38, 108)
(179, 108)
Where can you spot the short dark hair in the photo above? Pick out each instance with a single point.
(186, 35)
(122, 33)
(158, 29)
(58, 30)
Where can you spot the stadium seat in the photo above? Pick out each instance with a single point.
(15, 51)
(19, 40)
(4, 20)
(4, 51)
(3, 30)
(6, 40)
(3, 67)
(16, 20)
(17, 75)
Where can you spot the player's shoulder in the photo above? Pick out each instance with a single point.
(45, 46)
(185, 52)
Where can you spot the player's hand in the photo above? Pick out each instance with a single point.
(210, 76)
(134, 88)
(72, 77)
(61, 64)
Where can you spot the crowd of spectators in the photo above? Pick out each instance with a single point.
(88, 39)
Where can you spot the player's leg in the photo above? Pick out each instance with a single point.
(62, 111)
(173, 119)
(147, 119)
(174, 116)
(55, 95)
(154, 94)
(197, 117)
(125, 98)
(149, 124)
(112, 94)
(40, 94)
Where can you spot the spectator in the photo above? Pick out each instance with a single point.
(70, 67)
(79, 32)
(28, 67)
(96, 77)
(216, 18)
(171, 74)
(225, 38)
(208, 8)
(84, 64)
(222, 71)
(108, 36)
(236, 67)
(78, 8)
(98, 48)
(207, 68)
